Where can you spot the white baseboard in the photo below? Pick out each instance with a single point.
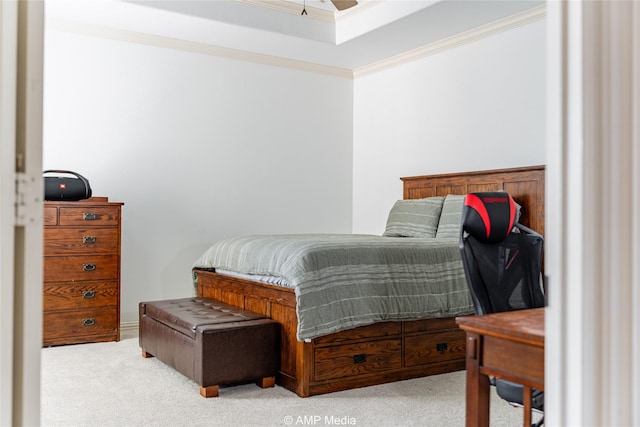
(129, 326)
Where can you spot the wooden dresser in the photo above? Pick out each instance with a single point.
(81, 271)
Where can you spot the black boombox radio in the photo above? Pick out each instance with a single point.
(61, 188)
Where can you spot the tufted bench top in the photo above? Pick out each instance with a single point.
(187, 314)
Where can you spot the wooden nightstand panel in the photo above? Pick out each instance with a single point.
(81, 294)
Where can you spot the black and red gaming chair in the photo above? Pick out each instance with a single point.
(502, 262)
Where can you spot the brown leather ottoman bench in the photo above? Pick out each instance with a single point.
(211, 342)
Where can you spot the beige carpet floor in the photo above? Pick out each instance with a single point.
(111, 384)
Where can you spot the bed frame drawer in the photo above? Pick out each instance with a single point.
(434, 348)
(339, 361)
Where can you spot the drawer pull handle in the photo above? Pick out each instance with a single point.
(89, 321)
(441, 347)
(88, 239)
(88, 294)
(360, 358)
(89, 216)
(88, 267)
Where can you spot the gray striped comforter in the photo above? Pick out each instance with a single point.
(342, 281)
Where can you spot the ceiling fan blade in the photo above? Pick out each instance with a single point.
(344, 4)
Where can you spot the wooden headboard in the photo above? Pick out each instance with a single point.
(526, 186)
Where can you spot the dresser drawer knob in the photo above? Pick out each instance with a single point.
(88, 239)
(89, 216)
(360, 358)
(88, 267)
(89, 321)
(88, 294)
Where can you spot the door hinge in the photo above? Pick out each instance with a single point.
(28, 199)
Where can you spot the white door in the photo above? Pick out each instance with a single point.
(21, 59)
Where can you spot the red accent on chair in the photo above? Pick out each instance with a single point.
(512, 213)
(477, 204)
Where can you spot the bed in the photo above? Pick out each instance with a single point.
(383, 351)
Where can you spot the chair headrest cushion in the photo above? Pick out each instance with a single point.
(489, 216)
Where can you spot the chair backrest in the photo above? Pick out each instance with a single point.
(502, 259)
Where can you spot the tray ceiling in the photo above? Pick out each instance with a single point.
(349, 39)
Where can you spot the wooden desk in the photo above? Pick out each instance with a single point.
(508, 345)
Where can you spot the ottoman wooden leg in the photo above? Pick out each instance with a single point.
(266, 382)
(209, 391)
(146, 355)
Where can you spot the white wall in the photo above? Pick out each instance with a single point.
(477, 106)
(198, 148)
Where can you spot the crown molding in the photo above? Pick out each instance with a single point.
(190, 46)
(505, 24)
(496, 27)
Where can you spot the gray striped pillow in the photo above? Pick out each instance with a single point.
(414, 218)
(451, 217)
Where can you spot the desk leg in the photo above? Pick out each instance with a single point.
(477, 385)
(526, 403)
